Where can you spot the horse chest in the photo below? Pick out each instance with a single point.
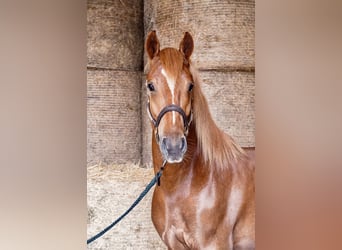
(189, 219)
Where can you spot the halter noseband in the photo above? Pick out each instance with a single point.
(172, 107)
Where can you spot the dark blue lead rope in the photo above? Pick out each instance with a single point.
(155, 180)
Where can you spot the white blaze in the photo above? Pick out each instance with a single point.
(171, 84)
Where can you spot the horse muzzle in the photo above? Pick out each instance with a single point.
(173, 148)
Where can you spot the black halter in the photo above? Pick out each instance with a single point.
(172, 107)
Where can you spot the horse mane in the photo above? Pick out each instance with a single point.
(217, 147)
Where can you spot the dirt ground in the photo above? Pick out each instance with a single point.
(110, 192)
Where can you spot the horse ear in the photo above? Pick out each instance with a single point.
(152, 44)
(186, 46)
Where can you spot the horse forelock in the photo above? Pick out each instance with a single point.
(172, 62)
(218, 148)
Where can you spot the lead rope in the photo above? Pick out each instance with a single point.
(156, 179)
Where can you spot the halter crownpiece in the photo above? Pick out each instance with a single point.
(169, 108)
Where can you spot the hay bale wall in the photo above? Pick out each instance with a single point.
(223, 33)
(115, 34)
(115, 52)
(232, 103)
(114, 116)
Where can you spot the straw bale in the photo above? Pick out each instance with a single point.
(115, 34)
(110, 191)
(231, 101)
(114, 117)
(231, 97)
(223, 31)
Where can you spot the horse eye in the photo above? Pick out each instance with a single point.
(150, 86)
(191, 86)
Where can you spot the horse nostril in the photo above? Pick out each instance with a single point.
(164, 143)
(183, 144)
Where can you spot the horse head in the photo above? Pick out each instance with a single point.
(169, 86)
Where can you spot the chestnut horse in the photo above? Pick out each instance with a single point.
(205, 199)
